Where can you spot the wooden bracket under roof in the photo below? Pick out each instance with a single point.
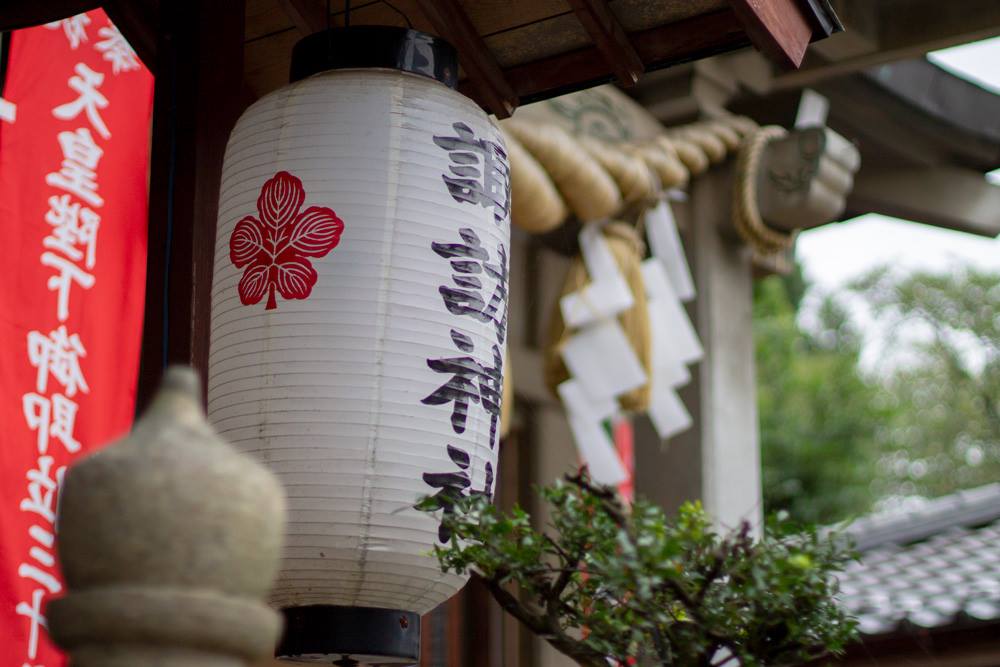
(451, 22)
(611, 40)
(775, 28)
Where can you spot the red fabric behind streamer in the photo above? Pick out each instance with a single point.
(624, 436)
(74, 153)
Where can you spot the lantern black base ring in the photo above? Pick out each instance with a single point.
(353, 635)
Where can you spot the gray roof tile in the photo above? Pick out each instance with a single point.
(929, 568)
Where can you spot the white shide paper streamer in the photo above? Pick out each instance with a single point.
(601, 359)
(674, 344)
(607, 292)
(813, 110)
(665, 245)
(596, 448)
(667, 411)
(674, 337)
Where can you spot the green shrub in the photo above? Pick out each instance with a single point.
(604, 582)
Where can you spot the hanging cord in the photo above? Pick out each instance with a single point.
(347, 13)
(409, 24)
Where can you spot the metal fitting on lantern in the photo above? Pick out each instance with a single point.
(359, 315)
(367, 46)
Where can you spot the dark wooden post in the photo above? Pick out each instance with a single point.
(199, 94)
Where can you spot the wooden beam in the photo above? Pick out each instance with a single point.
(455, 623)
(309, 16)
(950, 197)
(451, 22)
(137, 21)
(611, 40)
(958, 645)
(681, 41)
(26, 13)
(427, 643)
(776, 27)
(197, 99)
(860, 35)
(928, 25)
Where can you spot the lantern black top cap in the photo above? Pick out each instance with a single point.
(364, 46)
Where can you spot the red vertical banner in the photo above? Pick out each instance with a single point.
(74, 151)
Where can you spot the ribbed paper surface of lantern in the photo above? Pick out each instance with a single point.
(352, 383)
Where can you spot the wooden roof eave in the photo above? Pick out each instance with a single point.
(25, 13)
(663, 46)
(136, 19)
(909, 113)
(501, 80)
(782, 28)
(926, 138)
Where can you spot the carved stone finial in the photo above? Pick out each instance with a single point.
(168, 541)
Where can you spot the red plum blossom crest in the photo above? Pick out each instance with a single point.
(275, 246)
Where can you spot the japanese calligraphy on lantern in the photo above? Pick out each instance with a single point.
(478, 174)
(74, 122)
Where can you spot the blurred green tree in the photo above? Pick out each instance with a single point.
(941, 370)
(820, 419)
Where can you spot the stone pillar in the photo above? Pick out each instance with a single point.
(169, 541)
(802, 183)
(726, 377)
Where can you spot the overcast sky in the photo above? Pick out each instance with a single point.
(834, 254)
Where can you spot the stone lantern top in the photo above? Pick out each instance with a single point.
(168, 540)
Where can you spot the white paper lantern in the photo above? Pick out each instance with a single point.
(359, 316)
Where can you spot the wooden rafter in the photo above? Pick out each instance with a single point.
(308, 16)
(944, 196)
(451, 22)
(138, 21)
(778, 28)
(610, 38)
(681, 41)
(25, 13)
